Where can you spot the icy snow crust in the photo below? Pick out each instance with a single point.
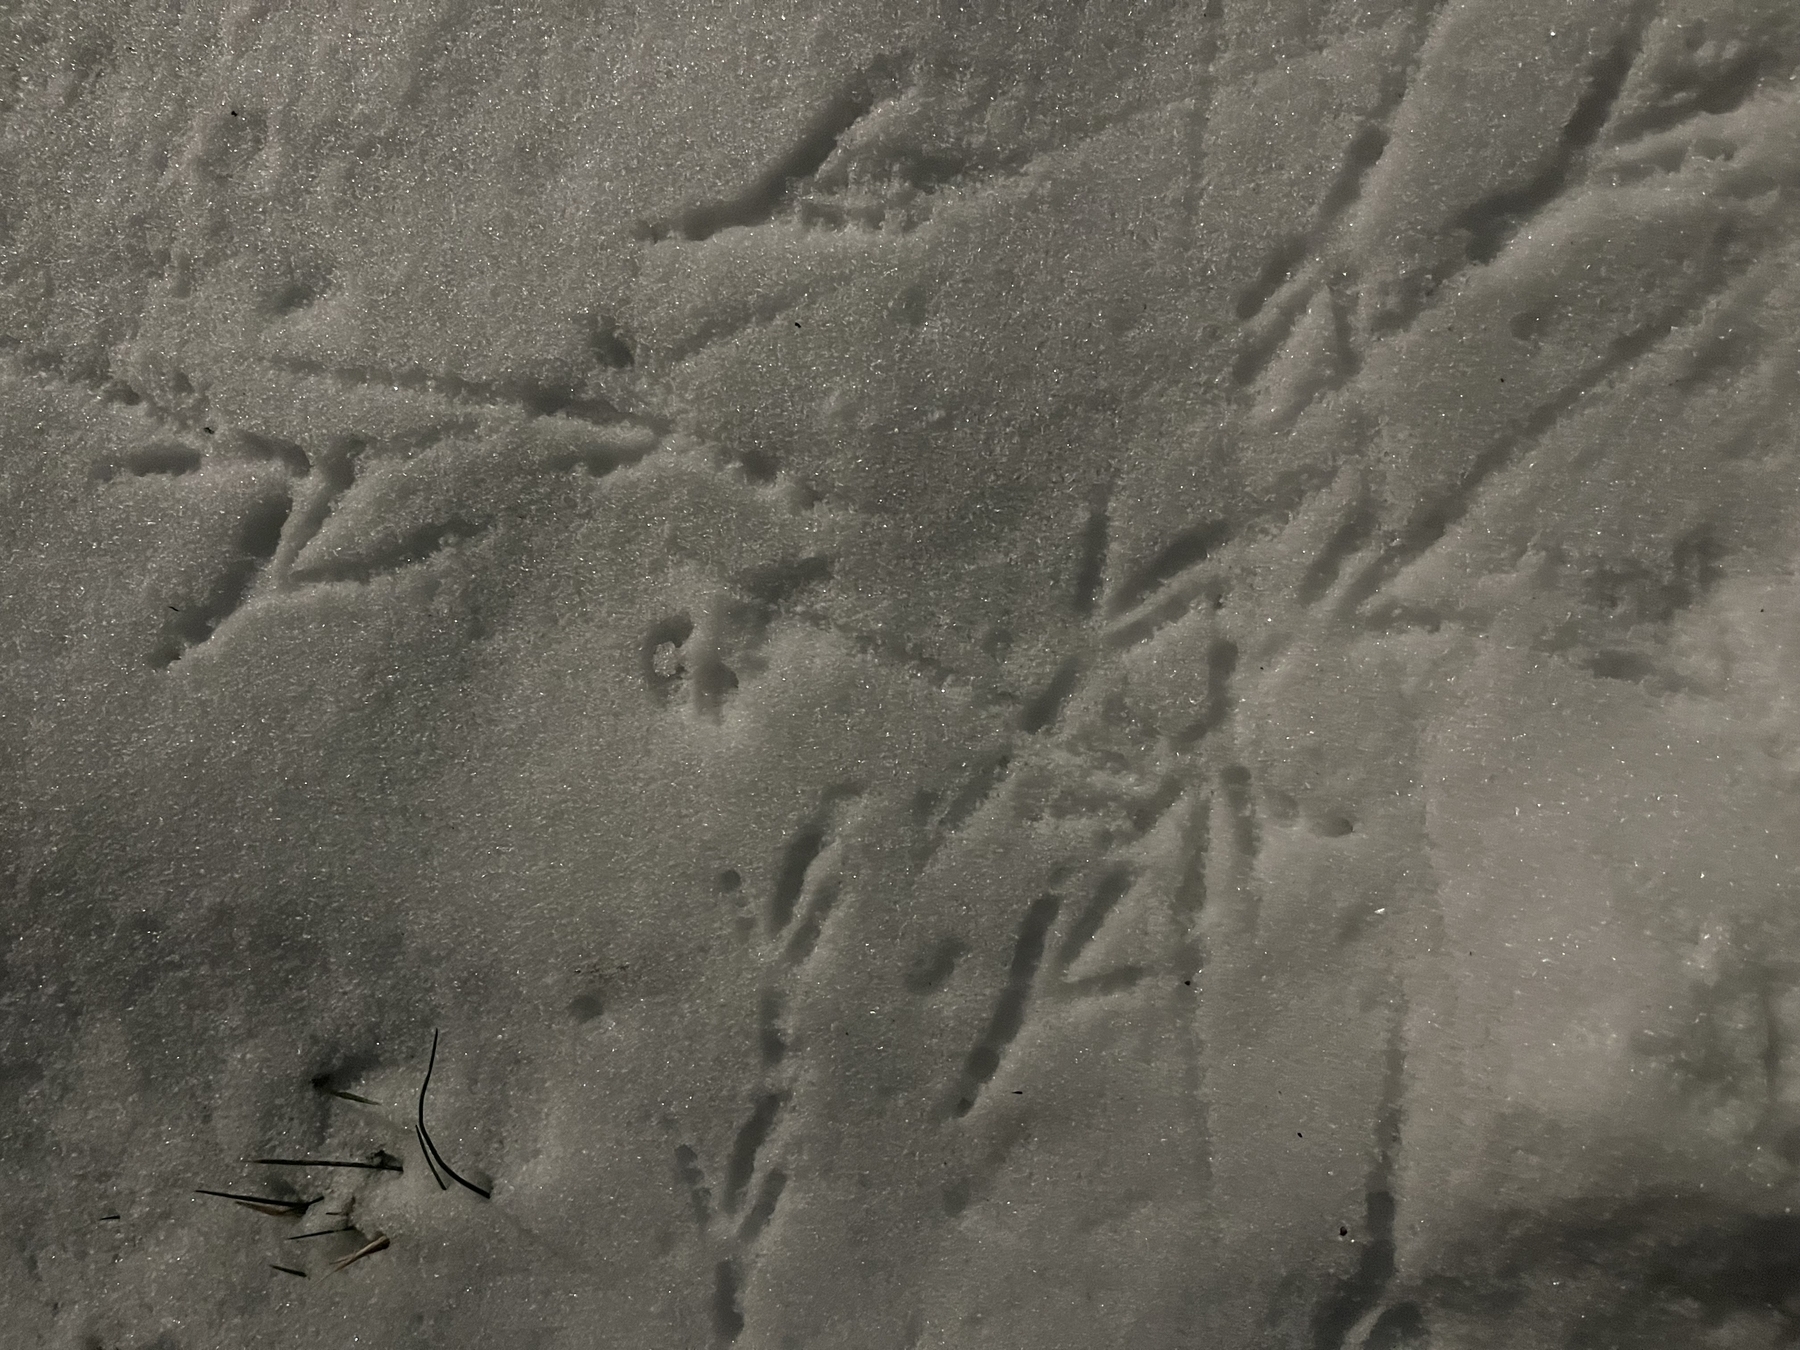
(1025, 676)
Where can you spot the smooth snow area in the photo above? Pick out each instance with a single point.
(1031, 674)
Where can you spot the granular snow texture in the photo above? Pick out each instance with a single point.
(1001, 675)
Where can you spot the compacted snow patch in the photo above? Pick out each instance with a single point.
(1089, 676)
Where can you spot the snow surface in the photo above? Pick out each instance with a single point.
(1017, 675)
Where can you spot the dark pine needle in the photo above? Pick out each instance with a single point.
(431, 1149)
(324, 1085)
(425, 1148)
(273, 1202)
